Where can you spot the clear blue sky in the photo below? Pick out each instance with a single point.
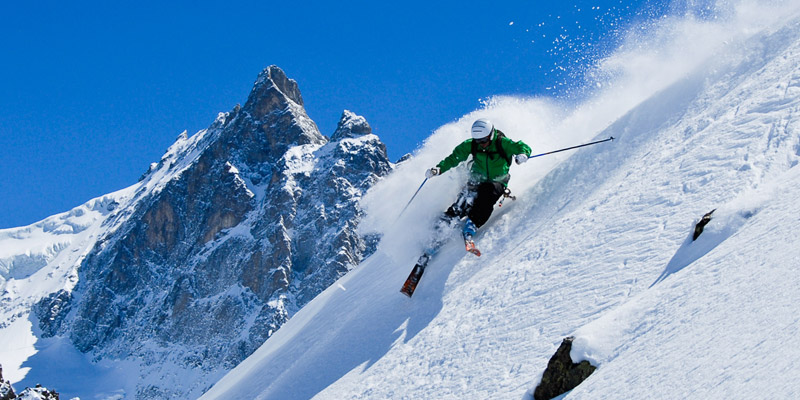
(93, 92)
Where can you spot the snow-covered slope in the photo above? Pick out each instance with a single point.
(596, 245)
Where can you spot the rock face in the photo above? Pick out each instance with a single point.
(231, 233)
(562, 375)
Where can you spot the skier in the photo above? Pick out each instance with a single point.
(491, 154)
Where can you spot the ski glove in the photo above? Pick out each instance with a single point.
(520, 158)
(431, 172)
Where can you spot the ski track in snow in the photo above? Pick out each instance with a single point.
(711, 309)
(597, 248)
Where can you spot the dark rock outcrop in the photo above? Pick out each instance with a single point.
(51, 312)
(698, 228)
(562, 375)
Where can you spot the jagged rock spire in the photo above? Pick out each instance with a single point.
(351, 125)
(272, 120)
(271, 92)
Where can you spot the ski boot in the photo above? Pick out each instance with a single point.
(468, 232)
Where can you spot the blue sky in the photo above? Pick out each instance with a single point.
(96, 91)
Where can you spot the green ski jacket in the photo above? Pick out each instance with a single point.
(488, 163)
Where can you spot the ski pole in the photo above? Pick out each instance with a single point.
(412, 198)
(573, 147)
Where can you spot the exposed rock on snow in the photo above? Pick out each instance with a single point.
(698, 228)
(36, 393)
(562, 374)
(6, 391)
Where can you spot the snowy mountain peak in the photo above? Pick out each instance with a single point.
(351, 126)
(272, 120)
(271, 92)
(181, 276)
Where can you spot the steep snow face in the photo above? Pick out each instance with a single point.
(721, 328)
(160, 289)
(595, 246)
(41, 259)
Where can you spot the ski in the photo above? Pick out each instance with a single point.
(468, 231)
(416, 274)
(413, 280)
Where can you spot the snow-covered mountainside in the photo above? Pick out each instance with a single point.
(597, 246)
(157, 290)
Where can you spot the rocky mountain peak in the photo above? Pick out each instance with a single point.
(350, 126)
(272, 91)
(224, 240)
(272, 120)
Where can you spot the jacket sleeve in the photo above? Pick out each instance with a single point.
(513, 148)
(459, 155)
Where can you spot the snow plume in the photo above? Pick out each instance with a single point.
(537, 122)
(654, 55)
(694, 34)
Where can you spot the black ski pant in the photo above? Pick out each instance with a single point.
(476, 201)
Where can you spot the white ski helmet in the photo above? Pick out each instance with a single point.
(482, 128)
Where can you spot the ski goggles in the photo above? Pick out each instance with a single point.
(483, 140)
